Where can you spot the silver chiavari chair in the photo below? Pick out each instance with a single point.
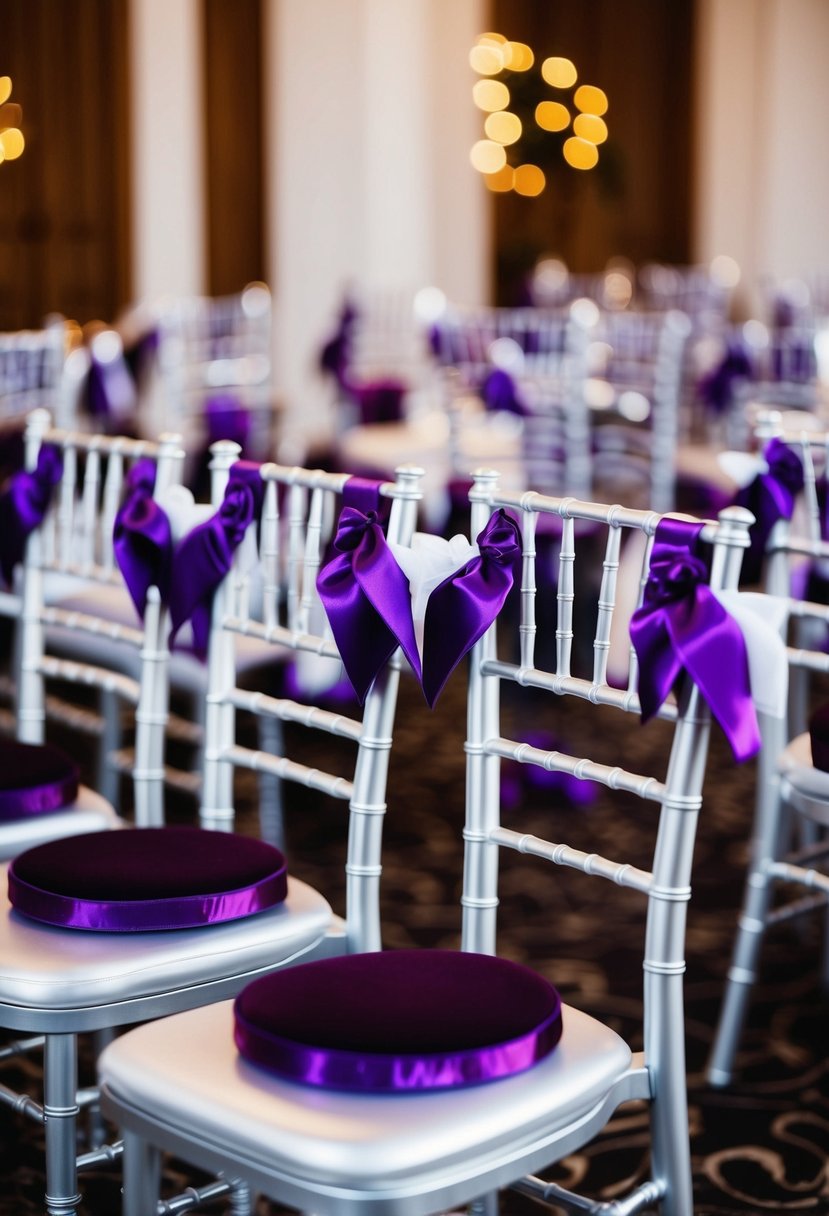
(380, 1114)
(146, 922)
(72, 544)
(789, 845)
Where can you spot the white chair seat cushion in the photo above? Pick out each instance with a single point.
(185, 1075)
(54, 969)
(88, 813)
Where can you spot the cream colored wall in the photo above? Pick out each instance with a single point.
(368, 128)
(762, 179)
(167, 148)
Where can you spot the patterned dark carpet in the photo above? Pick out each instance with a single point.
(760, 1146)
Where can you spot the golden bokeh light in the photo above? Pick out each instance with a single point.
(579, 153)
(503, 127)
(491, 38)
(487, 157)
(528, 180)
(500, 182)
(5, 88)
(13, 143)
(552, 116)
(490, 95)
(518, 57)
(558, 72)
(590, 127)
(591, 99)
(486, 59)
(2, 153)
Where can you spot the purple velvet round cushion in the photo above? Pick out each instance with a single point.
(819, 735)
(147, 878)
(398, 1020)
(35, 779)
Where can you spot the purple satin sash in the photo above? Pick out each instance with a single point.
(770, 497)
(464, 605)
(141, 538)
(682, 627)
(226, 418)
(110, 388)
(144, 915)
(377, 400)
(23, 505)
(500, 392)
(518, 779)
(204, 556)
(718, 387)
(335, 355)
(366, 596)
(332, 1068)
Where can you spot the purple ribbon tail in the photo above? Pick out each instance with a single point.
(682, 627)
(141, 538)
(367, 600)
(203, 557)
(23, 506)
(770, 497)
(464, 605)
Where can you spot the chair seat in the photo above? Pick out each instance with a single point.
(88, 813)
(54, 978)
(357, 1149)
(807, 786)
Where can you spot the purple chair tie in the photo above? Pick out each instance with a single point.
(718, 387)
(142, 540)
(500, 392)
(37, 779)
(770, 497)
(464, 605)
(406, 1021)
(682, 627)
(226, 418)
(364, 592)
(146, 879)
(204, 556)
(23, 505)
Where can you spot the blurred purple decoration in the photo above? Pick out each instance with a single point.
(718, 387)
(226, 418)
(335, 355)
(500, 392)
(110, 387)
(377, 400)
(771, 496)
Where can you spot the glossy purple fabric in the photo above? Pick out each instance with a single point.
(398, 1021)
(378, 400)
(819, 736)
(770, 497)
(366, 598)
(35, 779)
(24, 502)
(141, 538)
(681, 627)
(500, 392)
(718, 388)
(463, 606)
(146, 879)
(204, 556)
(226, 418)
(110, 388)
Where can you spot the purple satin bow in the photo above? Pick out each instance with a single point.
(500, 392)
(718, 387)
(141, 538)
(226, 418)
(770, 497)
(377, 400)
(682, 627)
(110, 388)
(464, 605)
(366, 599)
(204, 556)
(23, 505)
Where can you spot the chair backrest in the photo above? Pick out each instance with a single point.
(641, 356)
(214, 355)
(504, 661)
(299, 514)
(544, 352)
(35, 373)
(73, 543)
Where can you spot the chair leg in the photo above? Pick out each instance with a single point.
(97, 1132)
(142, 1176)
(60, 1085)
(670, 1146)
(271, 823)
(109, 779)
